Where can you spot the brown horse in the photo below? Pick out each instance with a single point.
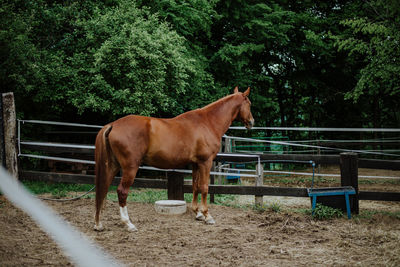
(192, 138)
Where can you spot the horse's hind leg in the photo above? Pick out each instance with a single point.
(103, 182)
(128, 176)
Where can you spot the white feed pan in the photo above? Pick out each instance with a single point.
(172, 207)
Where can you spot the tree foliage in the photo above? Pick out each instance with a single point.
(309, 63)
(116, 60)
(372, 40)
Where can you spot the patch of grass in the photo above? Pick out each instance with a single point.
(306, 211)
(219, 199)
(323, 180)
(379, 181)
(147, 195)
(365, 214)
(224, 199)
(394, 182)
(322, 212)
(152, 195)
(282, 181)
(367, 182)
(56, 189)
(259, 208)
(138, 195)
(298, 180)
(274, 207)
(395, 214)
(59, 193)
(62, 190)
(369, 214)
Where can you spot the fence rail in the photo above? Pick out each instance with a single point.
(88, 151)
(187, 188)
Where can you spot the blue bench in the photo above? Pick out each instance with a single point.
(332, 191)
(241, 166)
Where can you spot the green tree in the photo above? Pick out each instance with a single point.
(372, 41)
(111, 60)
(281, 49)
(135, 64)
(193, 21)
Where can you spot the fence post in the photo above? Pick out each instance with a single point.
(175, 186)
(218, 168)
(227, 149)
(349, 176)
(212, 181)
(10, 130)
(259, 182)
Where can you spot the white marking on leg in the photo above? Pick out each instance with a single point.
(209, 219)
(126, 220)
(98, 227)
(200, 216)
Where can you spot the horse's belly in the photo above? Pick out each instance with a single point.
(176, 156)
(167, 159)
(174, 145)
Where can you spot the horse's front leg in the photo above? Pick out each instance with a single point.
(195, 186)
(204, 172)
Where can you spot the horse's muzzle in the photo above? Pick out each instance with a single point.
(249, 124)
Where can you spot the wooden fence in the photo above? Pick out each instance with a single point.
(176, 186)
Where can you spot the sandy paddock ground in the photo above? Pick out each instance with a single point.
(240, 237)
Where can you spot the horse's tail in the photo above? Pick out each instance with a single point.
(104, 169)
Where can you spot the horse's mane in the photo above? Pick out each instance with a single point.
(218, 102)
(212, 106)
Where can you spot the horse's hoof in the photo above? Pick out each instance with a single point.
(210, 220)
(98, 228)
(200, 216)
(132, 228)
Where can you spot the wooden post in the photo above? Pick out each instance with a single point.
(349, 176)
(175, 186)
(259, 182)
(218, 168)
(227, 149)
(10, 130)
(212, 181)
(233, 145)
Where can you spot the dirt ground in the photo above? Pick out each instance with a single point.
(240, 237)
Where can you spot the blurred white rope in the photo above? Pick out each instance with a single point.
(77, 247)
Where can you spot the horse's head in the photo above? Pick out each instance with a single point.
(244, 114)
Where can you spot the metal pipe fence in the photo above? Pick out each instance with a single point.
(253, 158)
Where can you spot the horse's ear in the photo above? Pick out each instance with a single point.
(247, 92)
(236, 90)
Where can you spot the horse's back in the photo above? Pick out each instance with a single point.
(163, 143)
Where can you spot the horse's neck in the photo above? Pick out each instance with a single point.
(222, 113)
